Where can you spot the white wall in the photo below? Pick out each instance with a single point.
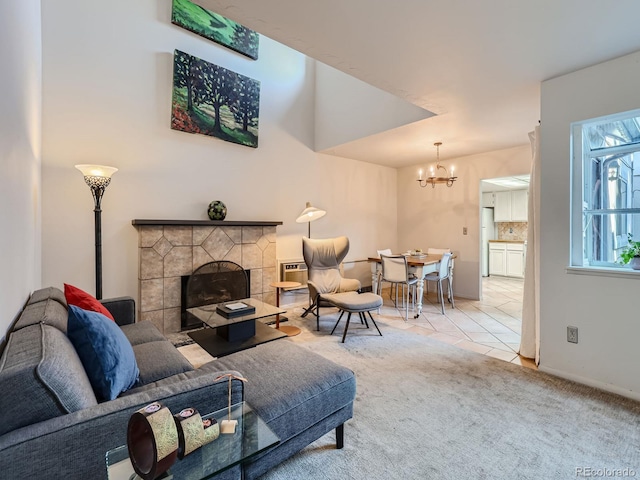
(347, 109)
(107, 70)
(20, 145)
(603, 308)
(435, 217)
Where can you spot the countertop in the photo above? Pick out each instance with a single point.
(508, 241)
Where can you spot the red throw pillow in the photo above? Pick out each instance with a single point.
(85, 300)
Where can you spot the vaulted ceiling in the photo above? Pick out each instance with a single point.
(476, 64)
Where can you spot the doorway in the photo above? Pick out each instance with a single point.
(503, 244)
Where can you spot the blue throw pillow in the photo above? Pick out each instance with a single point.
(105, 352)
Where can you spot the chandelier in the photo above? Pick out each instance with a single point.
(432, 179)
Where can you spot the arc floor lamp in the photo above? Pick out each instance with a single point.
(310, 214)
(98, 178)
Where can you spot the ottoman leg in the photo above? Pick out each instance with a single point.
(346, 327)
(374, 323)
(339, 318)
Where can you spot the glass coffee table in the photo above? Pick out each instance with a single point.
(229, 335)
(252, 436)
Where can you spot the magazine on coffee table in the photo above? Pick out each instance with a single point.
(235, 309)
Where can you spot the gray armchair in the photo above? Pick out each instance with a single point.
(323, 258)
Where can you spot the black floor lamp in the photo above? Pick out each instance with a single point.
(98, 178)
(309, 215)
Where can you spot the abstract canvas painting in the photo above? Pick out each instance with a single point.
(212, 100)
(215, 27)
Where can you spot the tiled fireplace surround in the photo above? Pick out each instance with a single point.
(169, 249)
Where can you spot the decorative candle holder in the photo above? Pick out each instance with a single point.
(152, 440)
(228, 426)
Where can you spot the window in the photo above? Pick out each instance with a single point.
(606, 188)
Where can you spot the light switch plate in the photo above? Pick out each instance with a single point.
(572, 334)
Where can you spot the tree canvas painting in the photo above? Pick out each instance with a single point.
(215, 27)
(212, 100)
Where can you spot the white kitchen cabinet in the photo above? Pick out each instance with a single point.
(497, 258)
(506, 259)
(519, 205)
(502, 207)
(511, 206)
(515, 260)
(488, 199)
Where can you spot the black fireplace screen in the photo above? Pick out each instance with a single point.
(213, 282)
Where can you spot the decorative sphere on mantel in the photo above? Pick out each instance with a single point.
(217, 210)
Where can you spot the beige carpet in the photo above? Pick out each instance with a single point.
(425, 409)
(195, 354)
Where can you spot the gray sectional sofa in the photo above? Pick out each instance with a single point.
(52, 426)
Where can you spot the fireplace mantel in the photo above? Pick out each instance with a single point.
(170, 249)
(200, 223)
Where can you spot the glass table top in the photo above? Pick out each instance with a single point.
(208, 314)
(251, 437)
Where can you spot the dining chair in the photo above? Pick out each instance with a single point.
(439, 251)
(395, 270)
(387, 252)
(443, 273)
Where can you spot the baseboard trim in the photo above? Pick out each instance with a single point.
(466, 297)
(607, 387)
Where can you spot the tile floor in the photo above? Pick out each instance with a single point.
(490, 326)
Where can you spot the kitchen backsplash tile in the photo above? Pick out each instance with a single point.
(512, 230)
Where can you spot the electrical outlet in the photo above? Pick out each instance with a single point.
(464, 230)
(572, 334)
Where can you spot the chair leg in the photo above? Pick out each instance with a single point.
(451, 299)
(374, 323)
(441, 292)
(406, 304)
(318, 312)
(346, 327)
(309, 309)
(414, 296)
(339, 318)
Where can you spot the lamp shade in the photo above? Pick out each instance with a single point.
(96, 170)
(310, 214)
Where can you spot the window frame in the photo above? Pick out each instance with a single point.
(578, 149)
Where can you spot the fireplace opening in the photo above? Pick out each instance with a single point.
(214, 282)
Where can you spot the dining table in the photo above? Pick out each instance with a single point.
(419, 265)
